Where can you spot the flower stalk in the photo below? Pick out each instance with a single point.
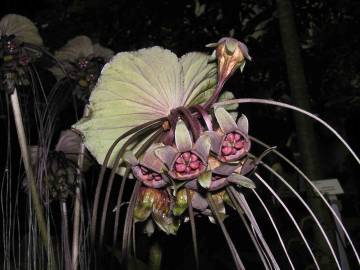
(77, 205)
(31, 179)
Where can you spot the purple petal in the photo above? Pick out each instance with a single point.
(247, 167)
(225, 169)
(241, 180)
(225, 120)
(199, 202)
(151, 161)
(144, 178)
(215, 140)
(167, 154)
(130, 158)
(243, 124)
(192, 184)
(219, 183)
(202, 147)
(245, 50)
(183, 139)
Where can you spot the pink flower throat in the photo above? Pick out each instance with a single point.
(188, 163)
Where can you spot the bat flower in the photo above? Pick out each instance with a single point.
(231, 141)
(148, 169)
(61, 170)
(158, 204)
(17, 35)
(82, 61)
(185, 160)
(231, 54)
(139, 87)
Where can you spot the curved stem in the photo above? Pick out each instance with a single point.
(192, 121)
(215, 96)
(204, 114)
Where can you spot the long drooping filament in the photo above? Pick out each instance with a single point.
(144, 127)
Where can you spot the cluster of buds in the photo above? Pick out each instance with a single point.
(61, 176)
(183, 172)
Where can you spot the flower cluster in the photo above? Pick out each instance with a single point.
(59, 174)
(82, 62)
(19, 39)
(182, 173)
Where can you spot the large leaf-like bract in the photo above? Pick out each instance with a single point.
(140, 86)
(21, 27)
(79, 46)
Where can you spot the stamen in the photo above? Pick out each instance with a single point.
(188, 163)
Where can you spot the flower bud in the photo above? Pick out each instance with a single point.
(231, 54)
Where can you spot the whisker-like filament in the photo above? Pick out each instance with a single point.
(238, 262)
(317, 191)
(128, 224)
(141, 150)
(116, 164)
(291, 217)
(103, 170)
(307, 208)
(193, 229)
(243, 203)
(231, 192)
(275, 228)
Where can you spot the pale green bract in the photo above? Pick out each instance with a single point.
(140, 86)
(20, 26)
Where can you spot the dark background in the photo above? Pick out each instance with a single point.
(329, 38)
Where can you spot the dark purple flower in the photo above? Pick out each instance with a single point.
(148, 169)
(186, 160)
(231, 141)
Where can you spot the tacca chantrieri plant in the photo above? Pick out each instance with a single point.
(183, 153)
(153, 116)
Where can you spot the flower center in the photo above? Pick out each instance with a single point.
(232, 144)
(188, 163)
(150, 175)
(82, 63)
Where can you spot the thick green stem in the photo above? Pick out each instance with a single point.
(31, 180)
